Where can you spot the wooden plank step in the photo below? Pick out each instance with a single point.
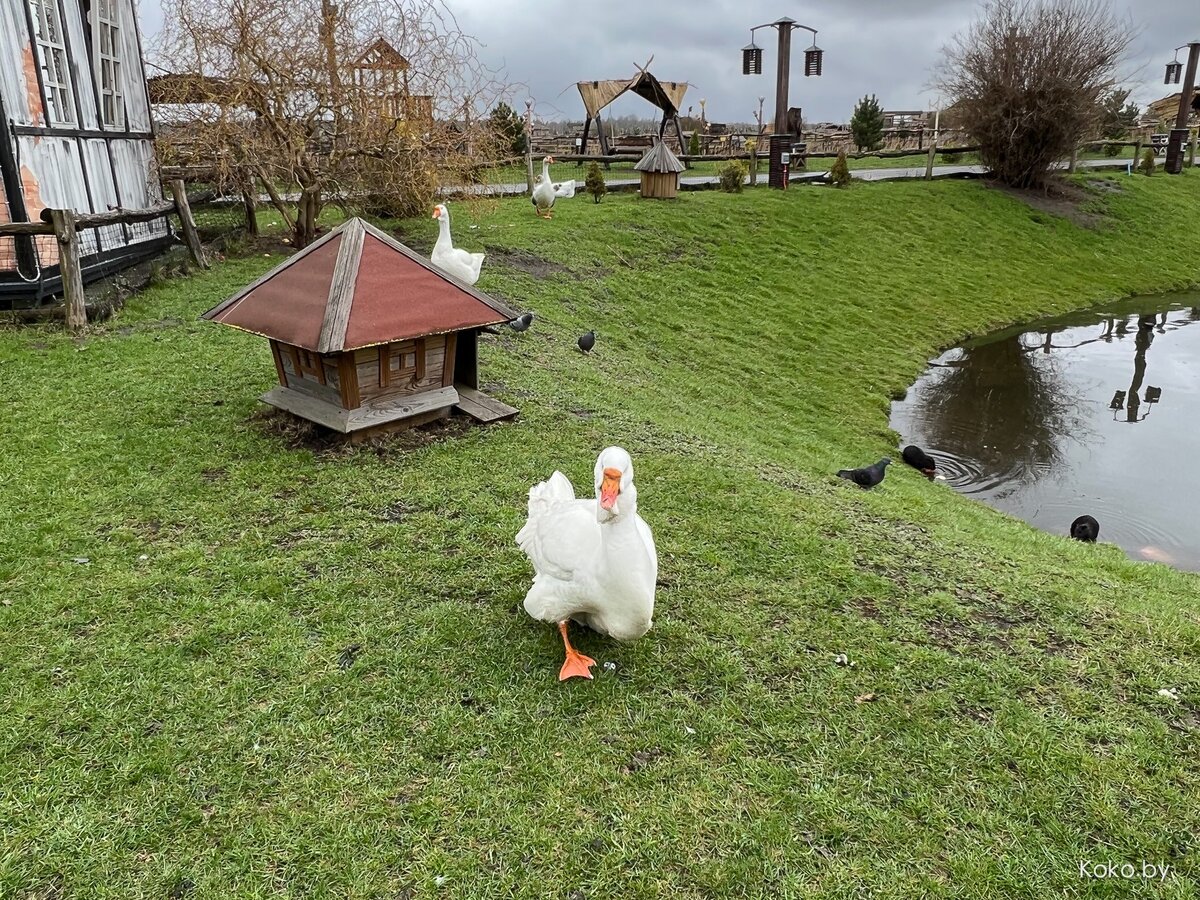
(379, 411)
(479, 406)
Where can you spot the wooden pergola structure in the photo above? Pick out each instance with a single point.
(666, 95)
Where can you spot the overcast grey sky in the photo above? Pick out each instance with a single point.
(886, 47)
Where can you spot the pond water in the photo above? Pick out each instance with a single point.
(1097, 412)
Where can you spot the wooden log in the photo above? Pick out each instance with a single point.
(12, 229)
(68, 263)
(929, 161)
(190, 236)
(118, 216)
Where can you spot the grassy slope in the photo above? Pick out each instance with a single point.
(183, 718)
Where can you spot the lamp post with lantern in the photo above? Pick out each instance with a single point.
(752, 65)
(1174, 162)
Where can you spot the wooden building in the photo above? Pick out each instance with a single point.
(367, 333)
(660, 170)
(76, 135)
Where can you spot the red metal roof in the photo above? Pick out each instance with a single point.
(356, 287)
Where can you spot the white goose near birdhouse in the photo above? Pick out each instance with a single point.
(545, 191)
(594, 559)
(463, 265)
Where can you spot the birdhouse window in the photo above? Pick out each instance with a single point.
(309, 363)
(401, 361)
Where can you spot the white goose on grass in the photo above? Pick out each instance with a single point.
(594, 559)
(545, 192)
(461, 264)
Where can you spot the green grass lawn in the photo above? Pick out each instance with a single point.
(182, 716)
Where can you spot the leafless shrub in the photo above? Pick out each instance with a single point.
(372, 104)
(1027, 77)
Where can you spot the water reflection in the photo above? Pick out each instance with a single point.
(1032, 420)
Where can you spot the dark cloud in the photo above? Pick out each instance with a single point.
(885, 47)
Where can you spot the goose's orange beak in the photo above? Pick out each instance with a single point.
(610, 487)
(436, 213)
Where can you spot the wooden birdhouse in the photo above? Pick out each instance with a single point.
(660, 170)
(367, 334)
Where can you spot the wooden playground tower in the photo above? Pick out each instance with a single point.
(666, 95)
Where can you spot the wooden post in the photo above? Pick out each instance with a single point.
(782, 71)
(190, 236)
(68, 266)
(937, 134)
(529, 145)
(1174, 161)
(1137, 153)
(1192, 149)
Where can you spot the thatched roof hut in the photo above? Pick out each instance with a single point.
(660, 170)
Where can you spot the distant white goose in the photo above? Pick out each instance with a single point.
(594, 560)
(462, 265)
(545, 192)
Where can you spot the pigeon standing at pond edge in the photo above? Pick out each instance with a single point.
(866, 477)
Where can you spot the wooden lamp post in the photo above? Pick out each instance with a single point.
(752, 65)
(1174, 163)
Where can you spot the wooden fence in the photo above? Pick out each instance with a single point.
(66, 225)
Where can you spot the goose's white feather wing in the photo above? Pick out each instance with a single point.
(560, 529)
(565, 189)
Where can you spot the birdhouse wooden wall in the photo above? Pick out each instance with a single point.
(660, 185)
(350, 379)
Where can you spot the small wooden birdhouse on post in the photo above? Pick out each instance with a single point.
(660, 170)
(367, 335)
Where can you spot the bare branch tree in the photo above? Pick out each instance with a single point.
(1027, 77)
(373, 104)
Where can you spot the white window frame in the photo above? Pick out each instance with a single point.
(108, 32)
(55, 70)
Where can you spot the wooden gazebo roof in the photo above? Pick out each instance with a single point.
(666, 95)
(356, 287)
(659, 158)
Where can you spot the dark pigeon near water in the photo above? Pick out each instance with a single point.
(1085, 529)
(920, 460)
(587, 342)
(867, 477)
(522, 322)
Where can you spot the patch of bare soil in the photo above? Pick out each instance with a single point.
(300, 434)
(524, 261)
(1061, 199)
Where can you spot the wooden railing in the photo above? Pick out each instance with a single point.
(66, 224)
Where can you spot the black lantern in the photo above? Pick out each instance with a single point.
(752, 59)
(1174, 70)
(812, 60)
